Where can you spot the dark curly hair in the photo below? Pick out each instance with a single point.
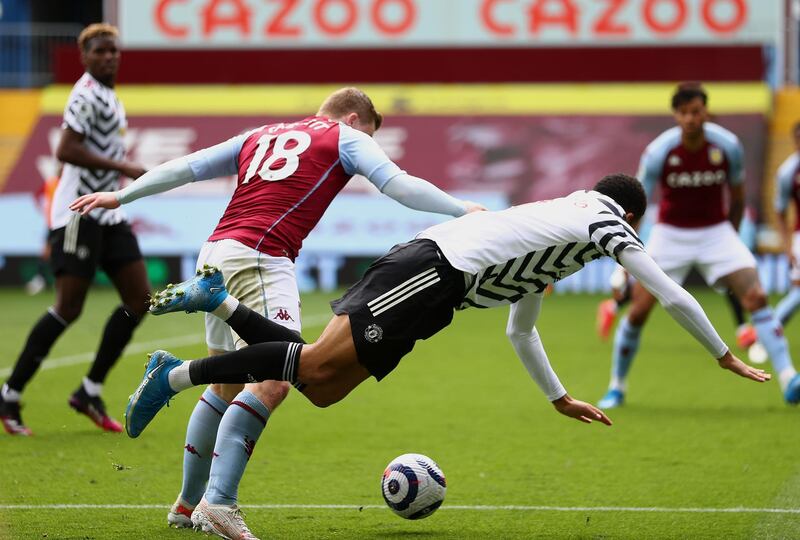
(626, 191)
(686, 92)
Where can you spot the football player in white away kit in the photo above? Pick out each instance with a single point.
(483, 259)
(697, 165)
(789, 191)
(288, 174)
(92, 149)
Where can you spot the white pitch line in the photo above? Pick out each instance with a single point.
(149, 346)
(481, 508)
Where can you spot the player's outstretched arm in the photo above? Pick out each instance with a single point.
(526, 342)
(86, 203)
(732, 363)
(686, 311)
(212, 162)
(166, 176)
(585, 412)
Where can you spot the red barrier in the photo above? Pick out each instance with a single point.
(639, 64)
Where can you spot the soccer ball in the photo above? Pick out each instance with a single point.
(413, 486)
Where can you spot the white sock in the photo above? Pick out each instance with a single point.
(226, 308)
(179, 378)
(92, 388)
(8, 394)
(785, 376)
(617, 384)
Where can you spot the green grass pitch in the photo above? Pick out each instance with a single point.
(691, 438)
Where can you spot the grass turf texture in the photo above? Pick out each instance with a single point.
(691, 436)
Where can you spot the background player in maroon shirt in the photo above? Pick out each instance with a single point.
(698, 168)
(288, 174)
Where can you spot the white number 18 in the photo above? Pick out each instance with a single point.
(291, 156)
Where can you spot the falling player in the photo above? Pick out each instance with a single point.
(484, 259)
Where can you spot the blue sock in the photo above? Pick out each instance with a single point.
(770, 334)
(201, 433)
(788, 305)
(239, 430)
(626, 343)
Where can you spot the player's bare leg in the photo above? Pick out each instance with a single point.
(747, 287)
(133, 287)
(626, 344)
(70, 296)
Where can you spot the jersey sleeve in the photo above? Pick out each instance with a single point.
(360, 154)
(219, 160)
(79, 114)
(611, 234)
(733, 149)
(785, 177)
(650, 167)
(736, 158)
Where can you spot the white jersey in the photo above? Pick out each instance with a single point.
(521, 250)
(94, 111)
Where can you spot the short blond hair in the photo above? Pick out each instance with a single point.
(95, 30)
(348, 100)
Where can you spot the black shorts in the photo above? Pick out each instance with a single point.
(408, 294)
(83, 245)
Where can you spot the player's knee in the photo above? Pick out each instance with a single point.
(69, 313)
(754, 298)
(319, 398)
(637, 317)
(140, 307)
(270, 393)
(318, 374)
(226, 391)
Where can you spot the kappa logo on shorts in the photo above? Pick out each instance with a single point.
(282, 315)
(373, 333)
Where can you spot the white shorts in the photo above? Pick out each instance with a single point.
(794, 271)
(715, 251)
(263, 283)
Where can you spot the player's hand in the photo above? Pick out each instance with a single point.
(132, 170)
(580, 410)
(731, 363)
(86, 203)
(474, 207)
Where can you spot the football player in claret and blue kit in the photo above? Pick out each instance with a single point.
(698, 168)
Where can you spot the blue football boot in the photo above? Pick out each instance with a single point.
(204, 292)
(613, 398)
(792, 392)
(152, 394)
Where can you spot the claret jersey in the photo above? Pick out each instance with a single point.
(521, 250)
(693, 184)
(789, 186)
(287, 176)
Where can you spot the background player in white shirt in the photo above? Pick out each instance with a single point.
(483, 259)
(698, 166)
(288, 173)
(93, 151)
